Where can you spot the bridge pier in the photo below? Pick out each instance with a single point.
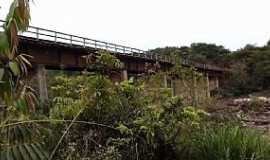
(165, 81)
(217, 82)
(194, 88)
(207, 86)
(169, 84)
(124, 75)
(214, 84)
(42, 87)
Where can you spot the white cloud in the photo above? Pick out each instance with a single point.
(155, 23)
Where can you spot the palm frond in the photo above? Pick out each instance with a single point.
(26, 99)
(24, 63)
(17, 20)
(4, 44)
(27, 151)
(22, 142)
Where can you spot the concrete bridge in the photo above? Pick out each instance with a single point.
(61, 51)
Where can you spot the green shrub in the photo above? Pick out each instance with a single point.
(229, 143)
(256, 104)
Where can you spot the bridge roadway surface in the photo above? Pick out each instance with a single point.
(57, 50)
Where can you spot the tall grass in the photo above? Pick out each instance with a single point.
(229, 143)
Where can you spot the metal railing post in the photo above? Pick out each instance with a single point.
(84, 42)
(55, 36)
(37, 34)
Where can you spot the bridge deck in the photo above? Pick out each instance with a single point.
(50, 37)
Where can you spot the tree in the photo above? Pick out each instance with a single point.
(17, 141)
(210, 53)
(13, 64)
(200, 52)
(250, 69)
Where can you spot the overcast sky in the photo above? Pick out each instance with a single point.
(148, 24)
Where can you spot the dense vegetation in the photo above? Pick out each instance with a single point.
(250, 66)
(91, 116)
(198, 52)
(250, 69)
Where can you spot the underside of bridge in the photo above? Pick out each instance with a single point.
(49, 55)
(61, 56)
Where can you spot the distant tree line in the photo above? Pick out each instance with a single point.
(250, 69)
(250, 65)
(199, 52)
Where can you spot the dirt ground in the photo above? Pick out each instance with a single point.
(252, 111)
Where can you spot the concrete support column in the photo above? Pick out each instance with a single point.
(124, 75)
(42, 86)
(169, 83)
(173, 87)
(194, 89)
(217, 82)
(207, 86)
(165, 81)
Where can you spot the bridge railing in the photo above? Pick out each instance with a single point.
(203, 66)
(69, 39)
